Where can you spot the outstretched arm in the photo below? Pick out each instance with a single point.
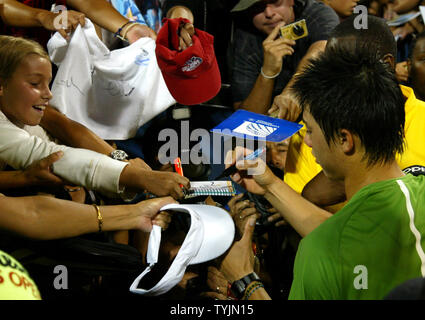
(104, 14)
(300, 213)
(85, 167)
(285, 105)
(17, 14)
(72, 133)
(37, 174)
(44, 218)
(323, 192)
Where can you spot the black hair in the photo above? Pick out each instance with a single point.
(377, 35)
(357, 91)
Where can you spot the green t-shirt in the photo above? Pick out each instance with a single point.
(373, 244)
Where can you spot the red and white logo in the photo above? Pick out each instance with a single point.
(192, 64)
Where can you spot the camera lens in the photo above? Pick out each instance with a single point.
(298, 30)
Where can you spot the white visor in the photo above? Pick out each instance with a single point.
(210, 234)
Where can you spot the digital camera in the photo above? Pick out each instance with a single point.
(294, 31)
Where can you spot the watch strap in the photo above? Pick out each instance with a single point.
(239, 286)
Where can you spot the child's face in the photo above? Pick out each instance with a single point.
(24, 96)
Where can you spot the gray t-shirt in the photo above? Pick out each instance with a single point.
(248, 50)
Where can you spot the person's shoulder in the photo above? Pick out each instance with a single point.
(380, 203)
(244, 33)
(411, 100)
(6, 125)
(320, 18)
(317, 10)
(416, 183)
(314, 6)
(246, 39)
(334, 227)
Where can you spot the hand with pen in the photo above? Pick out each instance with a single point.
(165, 183)
(253, 175)
(134, 178)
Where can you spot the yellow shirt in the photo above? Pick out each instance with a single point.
(301, 166)
(15, 282)
(414, 130)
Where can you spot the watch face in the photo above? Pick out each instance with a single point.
(119, 155)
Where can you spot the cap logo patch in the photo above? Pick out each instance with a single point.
(192, 64)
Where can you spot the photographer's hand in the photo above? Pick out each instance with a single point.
(275, 48)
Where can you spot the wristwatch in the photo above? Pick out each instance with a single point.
(238, 287)
(119, 155)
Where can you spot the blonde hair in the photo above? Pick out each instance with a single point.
(13, 50)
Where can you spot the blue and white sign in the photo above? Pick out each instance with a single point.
(250, 125)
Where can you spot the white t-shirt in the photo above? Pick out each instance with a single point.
(113, 93)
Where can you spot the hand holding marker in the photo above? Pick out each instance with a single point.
(178, 167)
(232, 169)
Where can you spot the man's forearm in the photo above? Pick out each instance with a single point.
(259, 98)
(72, 133)
(324, 192)
(301, 214)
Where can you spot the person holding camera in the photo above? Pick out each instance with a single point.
(264, 63)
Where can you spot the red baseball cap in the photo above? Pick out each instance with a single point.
(192, 75)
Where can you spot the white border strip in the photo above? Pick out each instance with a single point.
(415, 231)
